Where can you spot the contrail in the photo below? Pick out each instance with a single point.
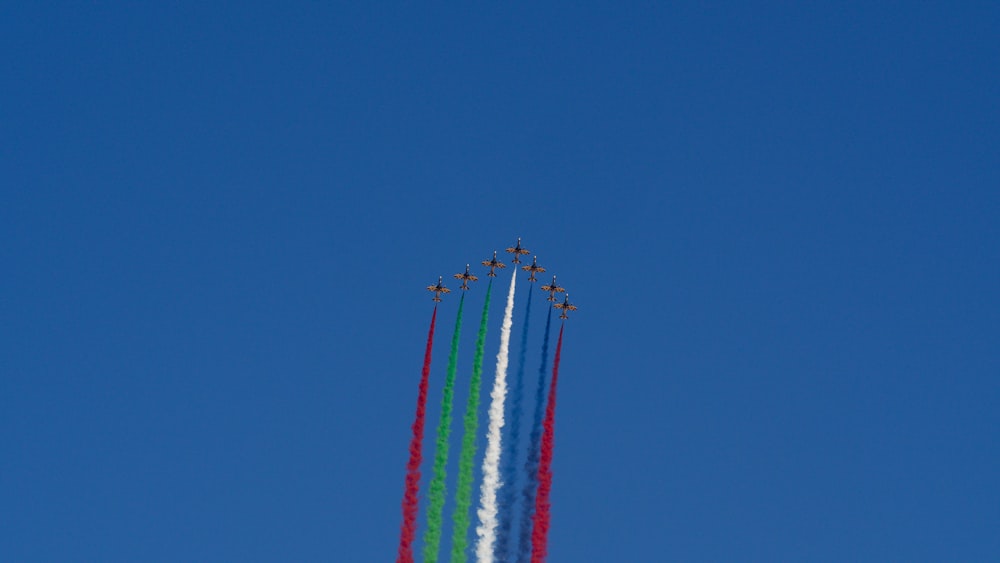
(432, 537)
(491, 463)
(540, 531)
(463, 497)
(409, 527)
(508, 495)
(531, 465)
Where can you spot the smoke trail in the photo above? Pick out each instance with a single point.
(432, 537)
(540, 532)
(409, 527)
(491, 462)
(463, 497)
(508, 495)
(531, 465)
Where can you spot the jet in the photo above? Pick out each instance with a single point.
(517, 251)
(493, 264)
(466, 278)
(566, 307)
(533, 268)
(438, 289)
(553, 289)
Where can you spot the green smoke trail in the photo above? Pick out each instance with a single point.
(432, 537)
(463, 497)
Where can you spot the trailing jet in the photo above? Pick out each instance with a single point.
(533, 268)
(566, 307)
(493, 264)
(438, 289)
(466, 278)
(517, 251)
(553, 289)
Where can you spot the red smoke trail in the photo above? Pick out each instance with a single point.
(409, 528)
(540, 531)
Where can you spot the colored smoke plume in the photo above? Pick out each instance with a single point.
(432, 537)
(540, 531)
(409, 527)
(491, 462)
(508, 496)
(531, 465)
(466, 459)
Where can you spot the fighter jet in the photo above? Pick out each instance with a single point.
(466, 278)
(517, 251)
(553, 289)
(566, 307)
(438, 289)
(533, 268)
(493, 264)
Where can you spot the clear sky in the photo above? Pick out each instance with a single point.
(780, 222)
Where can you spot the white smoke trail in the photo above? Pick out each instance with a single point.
(491, 464)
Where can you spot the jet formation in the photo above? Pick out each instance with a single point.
(495, 264)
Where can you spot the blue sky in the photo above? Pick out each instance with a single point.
(780, 223)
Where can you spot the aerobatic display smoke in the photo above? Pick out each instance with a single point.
(466, 460)
(540, 531)
(508, 494)
(491, 462)
(432, 537)
(409, 527)
(514, 486)
(531, 465)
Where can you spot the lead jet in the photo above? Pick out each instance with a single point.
(466, 278)
(493, 264)
(566, 307)
(517, 251)
(438, 289)
(553, 289)
(534, 268)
